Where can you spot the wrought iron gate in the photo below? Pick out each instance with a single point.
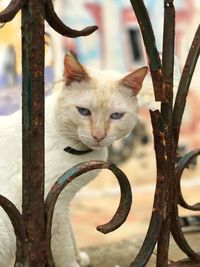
(33, 226)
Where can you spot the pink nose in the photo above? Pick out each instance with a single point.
(98, 136)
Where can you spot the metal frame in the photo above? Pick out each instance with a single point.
(33, 226)
(166, 129)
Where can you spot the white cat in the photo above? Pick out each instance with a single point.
(92, 109)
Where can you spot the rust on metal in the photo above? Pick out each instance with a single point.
(33, 244)
(182, 164)
(150, 45)
(166, 128)
(178, 233)
(33, 131)
(60, 27)
(118, 218)
(18, 225)
(168, 150)
(12, 9)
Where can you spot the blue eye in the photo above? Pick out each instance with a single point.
(117, 115)
(84, 111)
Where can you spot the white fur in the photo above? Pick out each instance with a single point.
(64, 127)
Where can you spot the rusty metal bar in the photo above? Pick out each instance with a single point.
(168, 60)
(184, 83)
(150, 45)
(159, 197)
(175, 225)
(12, 9)
(166, 117)
(33, 130)
(166, 129)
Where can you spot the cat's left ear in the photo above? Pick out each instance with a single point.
(135, 79)
(73, 70)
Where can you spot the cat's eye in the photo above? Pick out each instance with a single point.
(84, 111)
(117, 115)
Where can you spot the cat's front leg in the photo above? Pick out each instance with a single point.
(62, 244)
(82, 257)
(7, 241)
(62, 248)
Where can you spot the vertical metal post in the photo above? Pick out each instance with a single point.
(33, 130)
(169, 159)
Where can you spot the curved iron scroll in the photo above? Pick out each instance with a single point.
(176, 227)
(18, 225)
(120, 215)
(51, 17)
(60, 27)
(182, 164)
(12, 9)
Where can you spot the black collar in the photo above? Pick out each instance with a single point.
(73, 151)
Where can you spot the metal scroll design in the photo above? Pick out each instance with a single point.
(33, 226)
(118, 218)
(18, 225)
(50, 15)
(166, 125)
(176, 228)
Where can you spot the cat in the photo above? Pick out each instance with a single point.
(90, 109)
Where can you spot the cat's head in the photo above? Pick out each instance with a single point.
(96, 108)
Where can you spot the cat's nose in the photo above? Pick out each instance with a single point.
(98, 136)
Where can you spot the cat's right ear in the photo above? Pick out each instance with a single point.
(135, 79)
(73, 70)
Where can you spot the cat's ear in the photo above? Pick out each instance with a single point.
(73, 70)
(134, 79)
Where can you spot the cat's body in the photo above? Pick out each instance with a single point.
(91, 110)
(57, 161)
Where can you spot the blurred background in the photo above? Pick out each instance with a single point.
(116, 45)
